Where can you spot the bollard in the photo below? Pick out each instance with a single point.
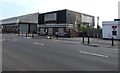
(32, 35)
(69, 33)
(57, 36)
(26, 34)
(83, 38)
(88, 39)
(94, 37)
(18, 34)
(112, 41)
(97, 36)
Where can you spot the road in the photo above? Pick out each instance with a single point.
(0, 53)
(27, 54)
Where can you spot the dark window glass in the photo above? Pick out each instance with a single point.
(114, 33)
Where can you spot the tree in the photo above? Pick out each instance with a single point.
(84, 29)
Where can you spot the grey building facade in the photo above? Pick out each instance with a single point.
(21, 24)
(63, 21)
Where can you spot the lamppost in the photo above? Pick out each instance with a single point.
(17, 26)
(69, 33)
(97, 22)
(51, 31)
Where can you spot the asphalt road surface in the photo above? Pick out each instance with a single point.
(27, 54)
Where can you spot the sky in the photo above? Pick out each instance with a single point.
(107, 10)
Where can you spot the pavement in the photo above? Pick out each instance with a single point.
(1, 52)
(96, 42)
(40, 54)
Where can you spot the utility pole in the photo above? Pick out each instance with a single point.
(98, 22)
(17, 25)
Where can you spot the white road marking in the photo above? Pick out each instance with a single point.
(95, 54)
(38, 44)
(67, 41)
(42, 44)
(115, 49)
(84, 52)
(79, 43)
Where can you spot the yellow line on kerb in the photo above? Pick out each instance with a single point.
(2, 39)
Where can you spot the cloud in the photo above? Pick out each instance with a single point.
(105, 9)
(24, 3)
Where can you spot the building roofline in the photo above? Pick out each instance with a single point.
(19, 23)
(80, 12)
(53, 11)
(109, 22)
(16, 17)
(66, 10)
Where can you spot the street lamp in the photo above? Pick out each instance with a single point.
(17, 26)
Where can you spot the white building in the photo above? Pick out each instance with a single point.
(111, 29)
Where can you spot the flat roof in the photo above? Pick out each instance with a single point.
(110, 22)
(66, 10)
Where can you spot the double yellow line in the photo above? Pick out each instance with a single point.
(2, 39)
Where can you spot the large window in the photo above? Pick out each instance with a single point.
(50, 17)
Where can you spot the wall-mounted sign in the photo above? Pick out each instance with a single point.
(114, 33)
(114, 27)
